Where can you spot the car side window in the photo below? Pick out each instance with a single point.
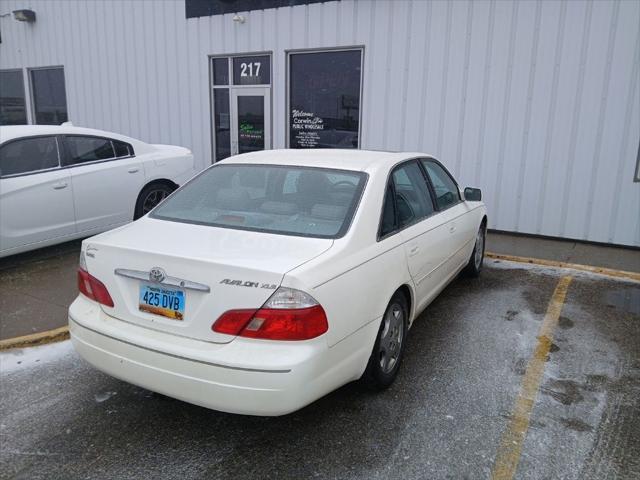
(82, 149)
(446, 190)
(28, 155)
(388, 221)
(412, 198)
(407, 198)
(122, 149)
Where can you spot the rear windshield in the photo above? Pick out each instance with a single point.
(290, 200)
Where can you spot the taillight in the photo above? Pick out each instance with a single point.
(93, 288)
(288, 315)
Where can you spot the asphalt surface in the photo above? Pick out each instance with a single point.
(444, 417)
(36, 289)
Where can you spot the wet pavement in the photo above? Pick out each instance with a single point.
(36, 289)
(443, 418)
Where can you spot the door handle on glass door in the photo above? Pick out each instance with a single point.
(59, 186)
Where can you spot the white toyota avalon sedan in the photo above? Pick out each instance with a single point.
(273, 278)
(63, 182)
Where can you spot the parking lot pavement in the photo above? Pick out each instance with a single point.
(470, 356)
(36, 289)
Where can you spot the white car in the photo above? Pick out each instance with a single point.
(275, 277)
(63, 182)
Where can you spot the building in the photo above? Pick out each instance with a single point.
(536, 102)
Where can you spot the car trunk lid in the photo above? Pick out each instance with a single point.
(217, 269)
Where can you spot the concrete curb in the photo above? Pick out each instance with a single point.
(41, 338)
(609, 272)
(62, 333)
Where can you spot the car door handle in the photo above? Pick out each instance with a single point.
(133, 170)
(413, 250)
(452, 228)
(59, 186)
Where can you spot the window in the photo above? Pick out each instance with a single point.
(251, 70)
(221, 118)
(413, 201)
(407, 199)
(122, 149)
(240, 104)
(388, 223)
(28, 155)
(446, 190)
(13, 109)
(324, 99)
(83, 149)
(221, 71)
(290, 200)
(49, 96)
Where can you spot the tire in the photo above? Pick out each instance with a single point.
(149, 197)
(476, 262)
(388, 348)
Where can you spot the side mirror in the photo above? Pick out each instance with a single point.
(472, 194)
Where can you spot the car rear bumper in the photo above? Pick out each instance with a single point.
(245, 376)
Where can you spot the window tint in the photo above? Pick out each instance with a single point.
(221, 119)
(49, 96)
(388, 223)
(221, 71)
(277, 199)
(413, 201)
(122, 149)
(447, 193)
(88, 149)
(12, 104)
(324, 99)
(28, 155)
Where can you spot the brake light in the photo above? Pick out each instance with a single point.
(93, 288)
(288, 315)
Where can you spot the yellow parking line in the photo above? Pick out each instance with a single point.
(610, 272)
(49, 336)
(508, 455)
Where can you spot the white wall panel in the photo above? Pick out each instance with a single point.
(536, 102)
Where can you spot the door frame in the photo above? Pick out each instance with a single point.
(253, 91)
(230, 86)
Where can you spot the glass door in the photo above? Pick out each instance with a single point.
(250, 120)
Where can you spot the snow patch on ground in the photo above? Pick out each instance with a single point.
(500, 264)
(23, 358)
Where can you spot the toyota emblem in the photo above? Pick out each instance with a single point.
(156, 274)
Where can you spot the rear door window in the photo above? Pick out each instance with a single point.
(445, 187)
(83, 149)
(28, 155)
(122, 149)
(412, 198)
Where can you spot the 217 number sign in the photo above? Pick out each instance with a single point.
(251, 69)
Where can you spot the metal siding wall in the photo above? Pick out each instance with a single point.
(535, 102)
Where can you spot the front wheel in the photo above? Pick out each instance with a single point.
(385, 359)
(149, 197)
(474, 267)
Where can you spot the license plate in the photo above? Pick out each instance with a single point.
(166, 302)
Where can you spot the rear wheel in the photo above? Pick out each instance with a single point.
(150, 196)
(474, 267)
(385, 359)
